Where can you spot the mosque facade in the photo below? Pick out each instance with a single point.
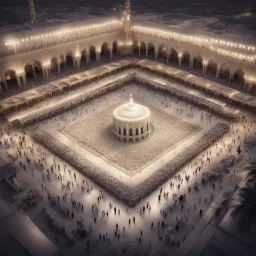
(42, 49)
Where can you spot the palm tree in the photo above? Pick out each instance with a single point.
(250, 177)
(244, 207)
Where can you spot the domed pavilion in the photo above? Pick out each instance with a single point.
(131, 121)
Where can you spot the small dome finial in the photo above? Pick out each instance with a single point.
(131, 103)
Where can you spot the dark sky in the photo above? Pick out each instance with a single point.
(207, 8)
(238, 3)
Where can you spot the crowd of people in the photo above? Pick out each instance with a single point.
(177, 206)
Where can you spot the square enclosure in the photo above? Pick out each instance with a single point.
(129, 171)
(96, 134)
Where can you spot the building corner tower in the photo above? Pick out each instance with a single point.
(32, 11)
(127, 49)
(127, 16)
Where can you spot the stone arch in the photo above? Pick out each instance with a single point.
(29, 72)
(151, 51)
(143, 49)
(198, 62)
(34, 62)
(225, 71)
(239, 76)
(136, 48)
(92, 53)
(54, 65)
(162, 53)
(83, 58)
(70, 59)
(39, 72)
(104, 54)
(115, 49)
(211, 67)
(185, 59)
(33, 70)
(10, 77)
(173, 57)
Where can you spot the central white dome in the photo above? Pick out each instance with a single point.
(131, 121)
(131, 111)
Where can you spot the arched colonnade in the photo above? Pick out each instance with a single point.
(171, 56)
(33, 69)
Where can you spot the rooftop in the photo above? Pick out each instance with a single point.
(131, 111)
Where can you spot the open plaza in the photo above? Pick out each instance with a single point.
(125, 151)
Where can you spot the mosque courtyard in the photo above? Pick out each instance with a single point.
(74, 157)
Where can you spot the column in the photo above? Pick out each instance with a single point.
(180, 59)
(127, 133)
(74, 62)
(245, 84)
(1, 92)
(45, 72)
(122, 133)
(139, 50)
(24, 79)
(65, 64)
(191, 62)
(146, 51)
(77, 61)
(34, 72)
(218, 72)
(110, 53)
(23, 75)
(98, 57)
(204, 67)
(58, 66)
(168, 55)
(5, 84)
(18, 81)
(133, 133)
(87, 56)
(156, 53)
(231, 77)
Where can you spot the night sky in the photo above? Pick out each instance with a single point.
(13, 14)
